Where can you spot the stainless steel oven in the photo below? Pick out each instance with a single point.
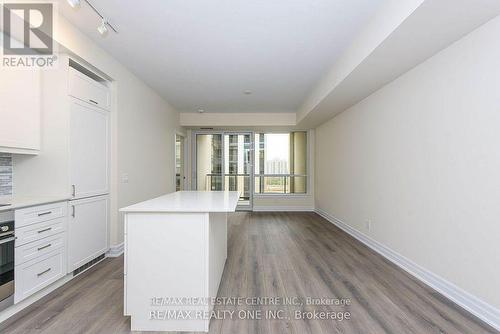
(6, 259)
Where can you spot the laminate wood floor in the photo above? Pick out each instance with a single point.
(273, 255)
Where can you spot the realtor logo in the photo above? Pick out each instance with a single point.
(28, 34)
(31, 24)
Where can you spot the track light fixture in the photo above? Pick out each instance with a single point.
(103, 27)
(74, 3)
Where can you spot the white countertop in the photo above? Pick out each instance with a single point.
(189, 201)
(24, 202)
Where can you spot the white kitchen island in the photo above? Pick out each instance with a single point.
(175, 251)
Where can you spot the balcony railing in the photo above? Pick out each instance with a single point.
(264, 183)
(177, 182)
(232, 182)
(280, 184)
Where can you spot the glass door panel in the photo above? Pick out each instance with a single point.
(209, 157)
(224, 161)
(179, 163)
(238, 166)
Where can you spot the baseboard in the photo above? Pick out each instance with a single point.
(282, 208)
(115, 250)
(484, 311)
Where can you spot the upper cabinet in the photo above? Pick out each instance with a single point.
(89, 90)
(20, 109)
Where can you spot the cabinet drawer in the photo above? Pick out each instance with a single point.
(35, 275)
(39, 231)
(87, 89)
(42, 213)
(38, 248)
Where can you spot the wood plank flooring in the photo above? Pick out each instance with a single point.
(272, 255)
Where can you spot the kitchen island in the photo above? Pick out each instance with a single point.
(175, 251)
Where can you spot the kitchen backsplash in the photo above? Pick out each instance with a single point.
(5, 174)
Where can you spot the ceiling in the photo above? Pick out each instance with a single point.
(421, 31)
(205, 54)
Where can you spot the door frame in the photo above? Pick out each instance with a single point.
(194, 175)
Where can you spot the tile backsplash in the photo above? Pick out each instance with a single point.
(5, 174)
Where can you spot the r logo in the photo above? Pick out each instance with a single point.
(28, 29)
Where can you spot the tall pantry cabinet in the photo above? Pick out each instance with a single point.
(72, 159)
(89, 135)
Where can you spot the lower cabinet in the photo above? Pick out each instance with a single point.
(40, 248)
(35, 249)
(87, 230)
(36, 274)
(55, 239)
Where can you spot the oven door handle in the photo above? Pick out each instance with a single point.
(6, 233)
(4, 241)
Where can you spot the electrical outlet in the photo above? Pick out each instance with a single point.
(368, 224)
(124, 178)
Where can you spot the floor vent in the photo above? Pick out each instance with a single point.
(88, 265)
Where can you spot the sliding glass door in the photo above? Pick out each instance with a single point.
(180, 178)
(238, 166)
(224, 161)
(209, 162)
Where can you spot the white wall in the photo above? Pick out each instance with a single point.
(146, 145)
(421, 159)
(143, 137)
(237, 119)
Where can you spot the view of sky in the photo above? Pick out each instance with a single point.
(277, 146)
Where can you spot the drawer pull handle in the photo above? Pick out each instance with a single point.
(43, 272)
(46, 246)
(44, 213)
(94, 102)
(73, 190)
(45, 230)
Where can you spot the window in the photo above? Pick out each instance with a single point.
(281, 163)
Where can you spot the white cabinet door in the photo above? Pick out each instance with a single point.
(89, 146)
(87, 230)
(20, 106)
(87, 89)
